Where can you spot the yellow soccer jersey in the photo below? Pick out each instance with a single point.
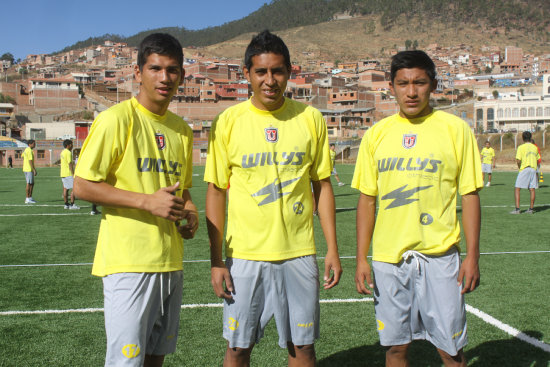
(133, 149)
(28, 156)
(415, 168)
(66, 159)
(528, 154)
(332, 157)
(487, 155)
(270, 157)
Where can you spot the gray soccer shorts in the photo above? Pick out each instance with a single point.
(142, 313)
(67, 182)
(29, 177)
(419, 298)
(486, 168)
(527, 179)
(286, 290)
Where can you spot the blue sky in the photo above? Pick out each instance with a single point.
(46, 26)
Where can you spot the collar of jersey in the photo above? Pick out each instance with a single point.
(415, 121)
(148, 113)
(265, 112)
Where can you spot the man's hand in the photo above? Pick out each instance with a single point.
(362, 275)
(333, 270)
(221, 282)
(469, 272)
(165, 204)
(188, 230)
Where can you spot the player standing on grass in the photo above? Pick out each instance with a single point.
(415, 163)
(29, 170)
(527, 157)
(67, 173)
(271, 148)
(137, 164)
(487, 162)
(333, 162)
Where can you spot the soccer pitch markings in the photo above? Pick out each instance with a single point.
(480, 314)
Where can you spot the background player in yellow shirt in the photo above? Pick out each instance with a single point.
(527, 158)
(66, 173)
(271, 148)
(415, 163)
(29, 170)
(333, 160)
(487, 162)
(137, 164)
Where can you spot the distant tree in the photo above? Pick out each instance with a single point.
(8, 56)
(408, 44)
(495, 94)
(488, 70)
(6, 99)
(415, 45)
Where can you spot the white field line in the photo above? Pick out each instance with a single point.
(508, 329)
(41, 214)
(206, 260)
(482, 315)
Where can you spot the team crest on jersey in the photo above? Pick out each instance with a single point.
(409, 141)
(271, 134)
(161, 141)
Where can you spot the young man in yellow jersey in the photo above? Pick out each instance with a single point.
(487, 162)
(272, 148)
(66, 173)
(29, 170)
(137, 163)
(527, 157)
(415, 163)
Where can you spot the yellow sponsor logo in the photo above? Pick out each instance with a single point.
(233, 324)
(170, 337)
(456, 335)
(130, 350)
(381, 325)
(306, 325)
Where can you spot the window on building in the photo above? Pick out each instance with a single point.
(333, 119)
(547, 111)
(531, 111)
(40, 154)
(17, 154)
(507, 113)
(515, 112)
(479, 115)
(539, 111)
(523, 112)
(500, 113)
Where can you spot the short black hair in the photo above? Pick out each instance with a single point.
(412, 59)
(526, 136)
(162, 44)
(30, 141)
(266, 42)
(67, 142)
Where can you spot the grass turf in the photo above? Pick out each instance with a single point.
(514, 288)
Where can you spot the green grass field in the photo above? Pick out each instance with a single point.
(50, 304)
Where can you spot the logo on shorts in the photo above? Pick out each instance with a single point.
(409, 141)
(306, 325)
(456, 335)
(271, 134)
(298, 207)
(161, 141)
(130, 351)
(233, 324)
(381, 325)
